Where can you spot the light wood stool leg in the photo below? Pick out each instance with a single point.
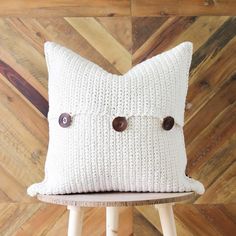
(167, 219)
(112, 221)
(75, 221)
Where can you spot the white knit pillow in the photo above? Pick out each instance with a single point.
(111, 132)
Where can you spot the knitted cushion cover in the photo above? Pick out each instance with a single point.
(86, 153)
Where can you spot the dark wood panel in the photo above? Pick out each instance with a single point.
(24, 87)
(160, 38)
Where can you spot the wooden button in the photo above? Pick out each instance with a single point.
(168, 123)
(65, 120)
(119, 124)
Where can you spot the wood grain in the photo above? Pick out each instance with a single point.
(115, 199)
(143, 227)
(25, 88)
(65, 8)
(117, 55)
(214, 219)
(110, 8)
(182, 7)
(211, 91)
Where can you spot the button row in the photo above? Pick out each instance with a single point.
(119, 123)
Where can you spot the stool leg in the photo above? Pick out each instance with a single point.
(167, 219)
(75, 221)
(112, 221)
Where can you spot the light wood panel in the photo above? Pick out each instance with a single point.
(117, 55)
(182, 7)
(65, 8)
(210, 130)
(148, 8)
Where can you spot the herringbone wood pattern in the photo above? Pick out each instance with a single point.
(116, 44)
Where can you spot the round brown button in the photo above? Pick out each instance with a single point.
(65, 120)
(119, 124)
(168, 123)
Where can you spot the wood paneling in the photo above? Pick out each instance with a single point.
(210, 119)
(149, 8)
(65, 8)
(210, 110)
(117, 55)
(182, 7)
(24, 87)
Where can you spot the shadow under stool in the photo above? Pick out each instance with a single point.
(112, 201)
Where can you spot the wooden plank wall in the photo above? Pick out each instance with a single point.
(138, 31)
(117, 7)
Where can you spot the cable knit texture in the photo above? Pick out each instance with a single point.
(89, 155)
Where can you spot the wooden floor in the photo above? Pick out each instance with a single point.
(116, 44)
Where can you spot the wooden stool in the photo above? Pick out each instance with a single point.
(75, 202)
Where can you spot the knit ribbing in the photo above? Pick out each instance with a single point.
(148, 89)
(90, 155)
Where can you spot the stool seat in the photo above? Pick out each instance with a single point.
(115, 199)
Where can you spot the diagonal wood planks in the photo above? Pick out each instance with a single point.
(24, 85)
(210, 131)
(117, 55)
(210, 115)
